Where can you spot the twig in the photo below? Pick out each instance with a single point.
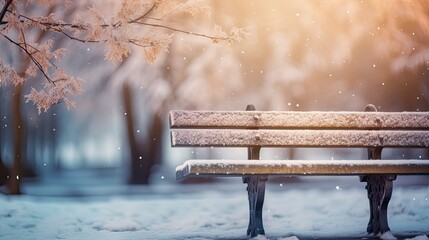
(183, 31)
(144, 15)
(80, 39)
(3, 11)
(51, 25)
(134, 42)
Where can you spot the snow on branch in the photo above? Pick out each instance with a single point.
(136, 23)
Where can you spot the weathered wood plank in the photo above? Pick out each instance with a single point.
(292, 119)
(301, 167)
(297, 138)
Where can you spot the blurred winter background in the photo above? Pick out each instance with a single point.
(298, 56)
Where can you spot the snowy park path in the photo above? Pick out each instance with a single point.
(212, 211)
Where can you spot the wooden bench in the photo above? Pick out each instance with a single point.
(255, 129)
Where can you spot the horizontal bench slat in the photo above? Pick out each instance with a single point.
(292, 119)
(301, 167)
(298, 138)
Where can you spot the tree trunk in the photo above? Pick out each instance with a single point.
(155, 140)
(153, 149)
(4, 173)
(144, 155)
(136, 152)
(14, 184)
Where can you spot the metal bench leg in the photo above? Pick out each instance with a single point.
(256, 194)
(255, 191)
(379, 189)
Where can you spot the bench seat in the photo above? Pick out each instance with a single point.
(209, 167)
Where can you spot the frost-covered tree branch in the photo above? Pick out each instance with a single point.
(4, 9)
(132, 25)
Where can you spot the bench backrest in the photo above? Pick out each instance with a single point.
(299, 129)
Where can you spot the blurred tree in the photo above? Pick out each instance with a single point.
(135, 23)
(23, 24)
(23, 63)
(302, 55)
(171, 81)
(4, 173)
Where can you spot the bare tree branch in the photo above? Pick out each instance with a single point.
(4, 9)
(52, 25)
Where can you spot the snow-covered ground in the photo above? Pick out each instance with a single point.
(314, 209)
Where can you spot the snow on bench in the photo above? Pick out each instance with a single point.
(235, 168)
(256, 129)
